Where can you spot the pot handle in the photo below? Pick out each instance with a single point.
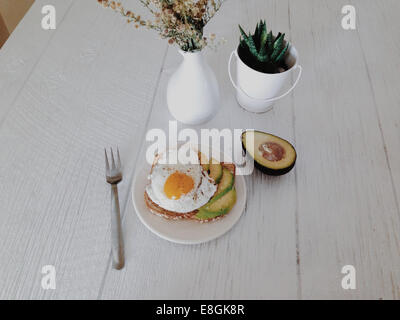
(264, 100)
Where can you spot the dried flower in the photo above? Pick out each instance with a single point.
(180, 21)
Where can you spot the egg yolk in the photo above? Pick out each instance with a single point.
(178, 184)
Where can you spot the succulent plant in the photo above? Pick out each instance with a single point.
(263, 51)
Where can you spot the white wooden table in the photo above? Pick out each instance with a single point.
(96, 81)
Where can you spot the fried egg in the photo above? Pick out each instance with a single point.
(180, 188)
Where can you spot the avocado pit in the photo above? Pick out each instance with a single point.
(272, 151)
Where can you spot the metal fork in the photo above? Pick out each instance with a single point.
(113, 177)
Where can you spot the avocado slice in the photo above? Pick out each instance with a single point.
(272, 155)
(218, 207)
(226, 183)
(215, 171)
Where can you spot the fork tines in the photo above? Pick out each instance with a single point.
(115, 171)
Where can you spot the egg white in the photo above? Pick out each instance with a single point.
(202, 192)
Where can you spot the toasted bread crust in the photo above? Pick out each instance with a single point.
(230, 166)
(156, 209)
(171, 215)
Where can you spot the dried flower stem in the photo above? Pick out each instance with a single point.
(180, 21)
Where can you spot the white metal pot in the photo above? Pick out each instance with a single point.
(193, 94)
(257, 91)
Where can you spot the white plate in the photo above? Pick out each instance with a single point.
(185, 231)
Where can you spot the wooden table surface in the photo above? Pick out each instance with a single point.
(95, 81)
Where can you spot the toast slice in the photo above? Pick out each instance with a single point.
(171, 215)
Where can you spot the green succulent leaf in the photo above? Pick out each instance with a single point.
(277, 37)
(275, 54)
(282, 54)
(243, 33)
(270, 42)
(263, 41)
(257, 29)
(278, 47)
(249, 42)
(257, 32)
(263, 58)
(278, 44)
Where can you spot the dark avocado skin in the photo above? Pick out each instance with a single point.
(272, 172)
(266, 170)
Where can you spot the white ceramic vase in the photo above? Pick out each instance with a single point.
(193, 94)
(257, 91)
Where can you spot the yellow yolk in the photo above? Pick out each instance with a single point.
(178, 184)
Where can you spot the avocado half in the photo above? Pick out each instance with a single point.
(272, 155)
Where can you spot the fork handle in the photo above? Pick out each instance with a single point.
(117, 241)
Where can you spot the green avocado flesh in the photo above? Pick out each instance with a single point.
(225, 184)
(218, 207)
(225, 196)
(272, 155)
(215, 171)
